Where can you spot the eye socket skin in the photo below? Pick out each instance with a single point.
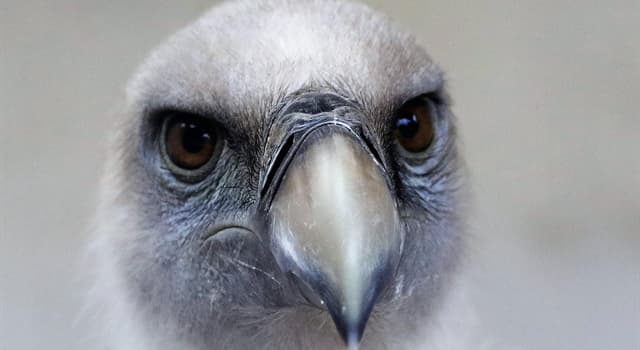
(413, 125)
(190, 144)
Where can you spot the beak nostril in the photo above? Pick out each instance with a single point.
(276, 166)
(373, 150)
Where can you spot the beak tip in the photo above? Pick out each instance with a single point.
(351, 337)
(351, 331)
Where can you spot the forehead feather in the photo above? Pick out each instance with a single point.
(264, 49)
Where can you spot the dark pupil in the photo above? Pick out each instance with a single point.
(408, 126)
(194, 137)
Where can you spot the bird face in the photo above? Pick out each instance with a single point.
(281, 164)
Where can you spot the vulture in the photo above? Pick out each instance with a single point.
(283, 175)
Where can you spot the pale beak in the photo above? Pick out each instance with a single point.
(335, 225)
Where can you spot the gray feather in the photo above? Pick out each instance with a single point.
(160, 284)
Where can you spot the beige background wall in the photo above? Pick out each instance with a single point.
(547, 93)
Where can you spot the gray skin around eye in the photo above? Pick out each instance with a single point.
(314, 229)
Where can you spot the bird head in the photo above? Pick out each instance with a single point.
(282, 166)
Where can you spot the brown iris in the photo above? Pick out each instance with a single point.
(190, 141)
(414, 126)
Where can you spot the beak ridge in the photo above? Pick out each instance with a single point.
(335, 226)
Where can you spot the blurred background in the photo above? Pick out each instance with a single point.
(547, 94)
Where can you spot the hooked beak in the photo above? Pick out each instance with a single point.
(334, 223)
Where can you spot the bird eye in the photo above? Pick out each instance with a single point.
(413, 125)
(190, 141)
